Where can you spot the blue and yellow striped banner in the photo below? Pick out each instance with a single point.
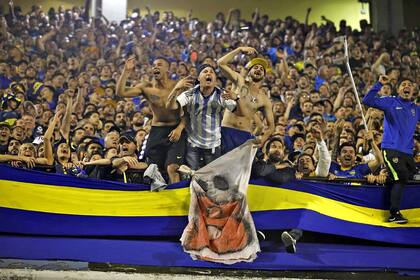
(50, 204)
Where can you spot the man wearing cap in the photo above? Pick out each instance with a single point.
(205, 104)
(166, 144)
(94, 147)
(127, 159)
(237, 126)
(10, 104)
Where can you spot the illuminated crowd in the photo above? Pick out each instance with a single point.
(78, 93)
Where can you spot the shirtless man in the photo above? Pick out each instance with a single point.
(237, 126)
(167, 139)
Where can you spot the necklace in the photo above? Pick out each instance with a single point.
(253, 98)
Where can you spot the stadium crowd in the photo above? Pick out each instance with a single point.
(109, 100)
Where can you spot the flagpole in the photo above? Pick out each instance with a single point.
(356, 94)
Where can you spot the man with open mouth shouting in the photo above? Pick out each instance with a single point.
(167, 138)
(204, 104)
(401, 117)
(237, 126)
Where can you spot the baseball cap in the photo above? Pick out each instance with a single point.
(127, 138)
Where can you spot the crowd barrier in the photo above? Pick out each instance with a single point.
(40, 203)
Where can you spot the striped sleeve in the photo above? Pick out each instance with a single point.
(185, 98)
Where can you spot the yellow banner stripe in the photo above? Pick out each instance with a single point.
(91, 202)
(262, 198)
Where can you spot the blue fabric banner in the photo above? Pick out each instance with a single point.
(39, 203)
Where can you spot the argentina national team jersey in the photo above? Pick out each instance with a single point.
(205, 116)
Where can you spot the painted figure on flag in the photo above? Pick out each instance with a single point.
(220, 226)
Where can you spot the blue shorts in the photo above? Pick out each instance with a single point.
(232, 138)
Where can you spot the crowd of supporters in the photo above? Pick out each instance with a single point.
(93, 98)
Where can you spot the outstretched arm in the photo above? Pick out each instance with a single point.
(224, 61)
(324, 162)
(49, 157)
(374, 164)
(372, 99)
(121, 89)
(182, 85)
(255, 17)
(3, 28)
(290, 103)
(79, 103)
(65, 125)
(41, 41)
(327, 20)
(340, 97)
(308, 11)
(377, 63)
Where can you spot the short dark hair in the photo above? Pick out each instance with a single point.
(162, 58)
(307, 155)
(403, 79)
(58, 74)
(109, 121)
(315, 114)
(346, 144)
(271, 141)
(88, 114)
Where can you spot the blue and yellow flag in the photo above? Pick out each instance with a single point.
(33, 202)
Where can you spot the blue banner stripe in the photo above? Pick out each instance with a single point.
(39, 177)
(311, 256)
(38, 223)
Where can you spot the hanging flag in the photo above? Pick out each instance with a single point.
(220, 227)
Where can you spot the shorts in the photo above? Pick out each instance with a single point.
(162, 152)
(401, 166)
(233, 138)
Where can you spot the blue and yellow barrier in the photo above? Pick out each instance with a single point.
(40, 203)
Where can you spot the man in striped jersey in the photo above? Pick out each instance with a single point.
(237, 126)
(204, 104)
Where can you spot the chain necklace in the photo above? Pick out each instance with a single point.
(253, 98)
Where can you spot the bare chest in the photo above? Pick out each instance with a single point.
(157, 97)
(254, 99)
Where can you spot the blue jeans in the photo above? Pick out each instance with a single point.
(199, 157)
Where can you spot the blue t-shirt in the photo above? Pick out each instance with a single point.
(356, 172)
(4, 82)
(318, 82)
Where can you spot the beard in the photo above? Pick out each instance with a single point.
(274, 158)
(121, 124)
(256, 79)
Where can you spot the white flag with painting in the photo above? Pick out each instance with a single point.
(221, 228)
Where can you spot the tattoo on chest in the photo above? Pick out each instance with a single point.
(154, 98)
(244, 90)
(247, 94)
